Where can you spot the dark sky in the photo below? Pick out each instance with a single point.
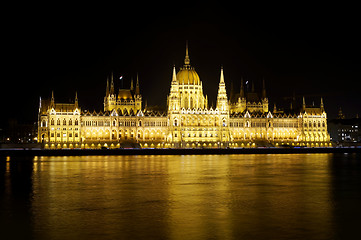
(301, 50)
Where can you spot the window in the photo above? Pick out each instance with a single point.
(76, 122)
(64, 122)
(52, 121)
(70, 122)
(58, 122)
(140, 123)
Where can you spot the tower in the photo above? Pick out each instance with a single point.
(76, 104)
(174, 96)
(110, 96)
(222, 101)
(190, 86)
(264, 98)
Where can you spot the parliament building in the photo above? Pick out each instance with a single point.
(244, 120)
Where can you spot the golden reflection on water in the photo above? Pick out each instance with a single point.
(182, 197)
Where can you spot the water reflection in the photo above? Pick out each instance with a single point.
(298, 196)
(346, 195)
(16, 194)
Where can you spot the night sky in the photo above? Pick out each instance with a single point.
(300, 50)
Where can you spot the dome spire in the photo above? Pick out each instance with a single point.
(187, 61)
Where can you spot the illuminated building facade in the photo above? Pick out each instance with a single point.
(242, 121)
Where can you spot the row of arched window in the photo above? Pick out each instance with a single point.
(70, 122)
(314, 124)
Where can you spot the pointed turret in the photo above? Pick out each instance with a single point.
(76, 100)
(206, 102)
(321, 105)
(174, 76)
(131, 85)
(274, 108)
(111, 84)
(174, 97)
(107, 88)
(137, 92)
(187, 61)
(222, 101)
(52, 101)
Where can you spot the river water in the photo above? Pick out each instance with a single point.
(284, 196)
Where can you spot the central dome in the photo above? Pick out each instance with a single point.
(187, 75)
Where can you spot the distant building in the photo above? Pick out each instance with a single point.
(19, 132)
(345, 130)
(242, 121)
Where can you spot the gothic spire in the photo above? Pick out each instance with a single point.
(174, 77)
(76, 99)
(111, 84)
(52, 103)
(222, 76)
(107, 88)
(137, 92)
(187, 61)
(321, 105)
(222, 101)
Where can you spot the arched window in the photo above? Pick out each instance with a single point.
(64, 122)
(224, 123)
(52, 121)
(140, 123)
(76, 122)
(58, 122)
(70, 122)
(175, 122)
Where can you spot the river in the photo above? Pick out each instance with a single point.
(264, 196)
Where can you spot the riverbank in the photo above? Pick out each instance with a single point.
(85, 152)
